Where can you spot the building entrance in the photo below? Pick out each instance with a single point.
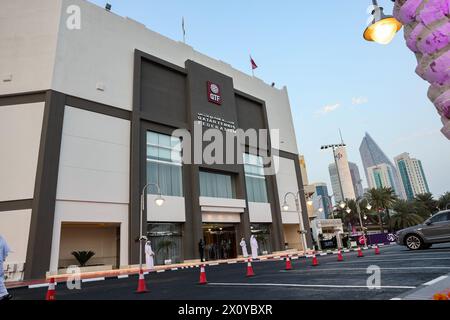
(220, 241)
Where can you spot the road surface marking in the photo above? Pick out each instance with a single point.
(93, 280)
(36, 286)
(123, 277)
(365, 269)
(384, 260)
(435, 281)
(294, 285)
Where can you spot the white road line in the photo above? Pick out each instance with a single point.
(93, 280)
(364, 269)
(123, 276)
(384, 260)
(302, 285)
(435, 281)
(36, 286)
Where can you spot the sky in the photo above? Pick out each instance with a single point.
(335, 79)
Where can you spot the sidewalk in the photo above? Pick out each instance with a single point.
(428, 290)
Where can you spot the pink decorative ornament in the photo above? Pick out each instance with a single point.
(427, 34)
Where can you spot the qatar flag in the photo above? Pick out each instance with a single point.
(253, 63)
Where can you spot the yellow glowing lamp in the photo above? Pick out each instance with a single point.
(383, 28)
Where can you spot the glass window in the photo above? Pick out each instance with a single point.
(443, 217)
(215, 185)
(262, 235)
(164, 164)
(166, 241)
(255, 179)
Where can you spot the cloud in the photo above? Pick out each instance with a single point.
(359, 100)
(328, 109)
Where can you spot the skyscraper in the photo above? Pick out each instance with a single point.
(381, 176)
(356, 178)
(322, 199)
(345, 175)
(371, 156)
(412, 175)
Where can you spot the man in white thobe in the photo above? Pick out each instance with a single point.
(244, 248)
(149, 256)
(254, 245)
(4, 250)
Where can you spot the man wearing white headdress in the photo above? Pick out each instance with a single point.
(149, 256)
(4, 250)
(243, 245)
(254, 245)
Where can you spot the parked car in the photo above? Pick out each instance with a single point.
(434, 230)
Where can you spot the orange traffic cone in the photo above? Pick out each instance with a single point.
(142, 287)
(377, 250)
(250, 272)
(340, 256)
(315, 261)
(440, 296)
(288, 263)
(360, 253)
(51, 292)
(202, 275)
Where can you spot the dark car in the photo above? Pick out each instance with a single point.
(434, 230)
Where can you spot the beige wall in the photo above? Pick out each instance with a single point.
(95, 158)
(99, 239)
(292, 236)
(28, 36)
(20, 135)
(15, 229)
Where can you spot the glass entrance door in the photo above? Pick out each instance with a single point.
(220, 241)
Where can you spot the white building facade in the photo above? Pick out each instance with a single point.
(86, 116)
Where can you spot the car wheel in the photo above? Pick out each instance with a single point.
(413, 242)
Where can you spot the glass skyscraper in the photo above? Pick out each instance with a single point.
(372, 156)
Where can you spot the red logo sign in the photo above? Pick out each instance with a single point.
(214, 94)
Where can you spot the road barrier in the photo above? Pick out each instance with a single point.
(142, 286)
(250, 272)
(340, 256)
(202, 275)
(288, 264)
(51, 292)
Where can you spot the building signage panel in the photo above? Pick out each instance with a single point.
(214, 93)
(213, 122)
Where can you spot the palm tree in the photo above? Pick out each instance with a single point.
(444, 201)
(382, 200)
(426, 202)
(405, 215)
(83, 257)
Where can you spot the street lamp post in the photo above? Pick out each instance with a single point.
(159, 202)
(358, 209)
(383, 28)
(303, 232)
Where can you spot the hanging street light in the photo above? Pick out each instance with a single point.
(383, 28)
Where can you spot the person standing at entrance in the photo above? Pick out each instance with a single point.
(4, 251)
(254, 245)
(243, 245)
(149, 256)
(201, 250)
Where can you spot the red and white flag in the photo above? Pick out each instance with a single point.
(253, 63)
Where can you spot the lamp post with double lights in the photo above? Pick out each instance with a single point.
(159, 201)
(358, 210)
(303, 232)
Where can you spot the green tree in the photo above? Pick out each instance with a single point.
(426, 203)
(382, 200)
(405, 215)
(444, 201)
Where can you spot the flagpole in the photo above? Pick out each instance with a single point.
(251, 66)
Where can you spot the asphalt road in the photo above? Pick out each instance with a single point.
(401, 271)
